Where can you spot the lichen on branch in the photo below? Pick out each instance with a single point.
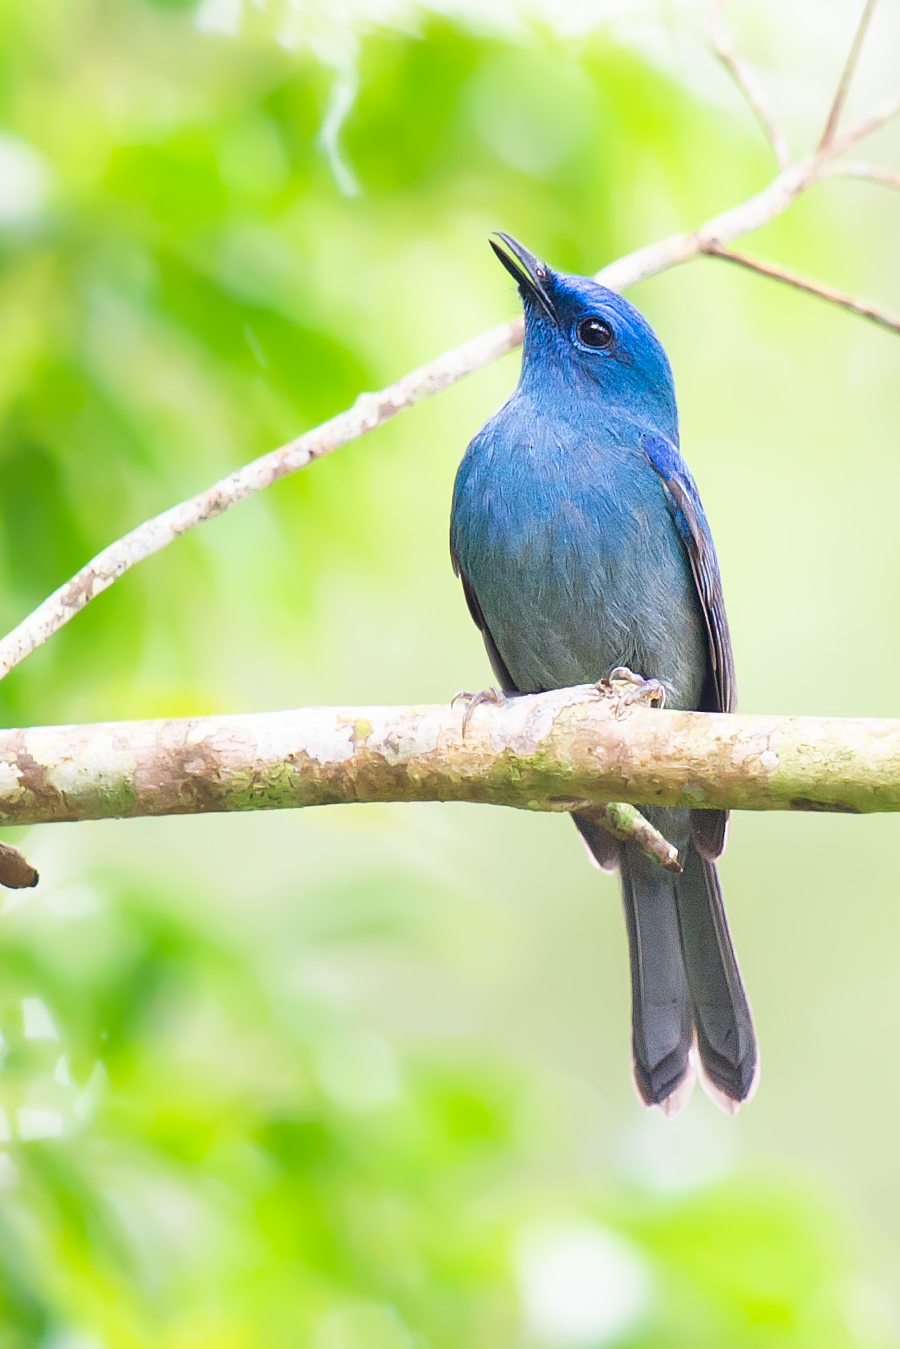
(558, 751)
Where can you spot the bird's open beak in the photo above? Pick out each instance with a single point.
(530, 273)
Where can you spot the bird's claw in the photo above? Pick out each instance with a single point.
(473, 700)
(642, 690)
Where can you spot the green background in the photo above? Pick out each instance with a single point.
(359, 1079)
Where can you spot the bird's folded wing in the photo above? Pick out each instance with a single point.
(690, 521)
(709, 828)
(498, 664)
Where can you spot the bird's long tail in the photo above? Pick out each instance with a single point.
(726, 1040)
(685, 983)
(662, 1033)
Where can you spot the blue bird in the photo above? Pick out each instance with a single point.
(582, 546)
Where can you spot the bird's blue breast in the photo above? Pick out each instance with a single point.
(568, 542)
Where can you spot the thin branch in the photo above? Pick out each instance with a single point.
(840, 97)
(373, 409)
(873, 121)
(885, 318)
(559, 751)
(369, 411)
(858, 168)
(625, 822)
(747, 82)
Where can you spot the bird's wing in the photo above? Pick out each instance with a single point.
(498, 665)
(720, 694)
(709, 828)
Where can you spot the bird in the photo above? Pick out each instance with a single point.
(584, 553)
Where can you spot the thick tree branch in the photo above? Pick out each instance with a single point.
(559, 751)
(885, 318)
(372, 409)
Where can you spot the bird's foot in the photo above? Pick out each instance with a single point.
(641, 690)
(473, 700)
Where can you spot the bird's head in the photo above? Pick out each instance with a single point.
(590, 342)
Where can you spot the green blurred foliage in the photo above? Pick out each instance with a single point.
(255, 1087)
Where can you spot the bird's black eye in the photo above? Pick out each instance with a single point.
(594, 332)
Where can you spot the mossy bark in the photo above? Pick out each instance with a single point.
(558, 751)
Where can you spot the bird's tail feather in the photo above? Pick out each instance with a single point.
(689, 1008)
(662, 1032)
(726, 1041)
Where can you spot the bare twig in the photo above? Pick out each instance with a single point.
(837, 107)
(746, 80)
(858, 168)
(559, 751)
(627, 823)
(369, 410)
(873, 121)
(885, 318)
(372, 409)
